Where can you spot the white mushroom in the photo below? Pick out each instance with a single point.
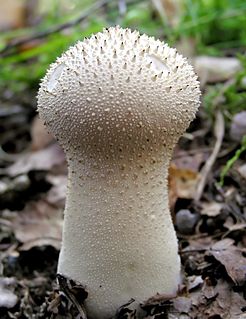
(118, 103)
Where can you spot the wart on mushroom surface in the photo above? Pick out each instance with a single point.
(117, 103)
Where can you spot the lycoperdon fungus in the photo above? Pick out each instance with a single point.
(117, 103)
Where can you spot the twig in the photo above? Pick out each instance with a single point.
(160, 9)
(40, 35)
(219, 131)
(5, 51)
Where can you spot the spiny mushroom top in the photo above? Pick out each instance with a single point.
(118, 90)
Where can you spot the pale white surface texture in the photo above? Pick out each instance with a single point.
(118, 103)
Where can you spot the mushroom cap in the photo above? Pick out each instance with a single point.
(118, 88)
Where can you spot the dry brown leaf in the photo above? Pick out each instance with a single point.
(7, 297)
(183, 176)
(45, 159)
(39, 222)
(219, 300)
(57, 194)
(40, 242)
(182, 182)
(231, 258)
(233, 227)
(211, 209)
(182, 304)
(194, 282)
(199, 244)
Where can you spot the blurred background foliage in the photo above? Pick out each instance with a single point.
(214, 27)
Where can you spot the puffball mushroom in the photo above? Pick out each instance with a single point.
(117, 103)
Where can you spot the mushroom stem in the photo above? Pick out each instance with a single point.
(118, 213)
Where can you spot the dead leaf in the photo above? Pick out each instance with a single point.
(40, 242)
(199, 244)
(219, 300)
(45, 159)
(182, 304)
(211, 209)
(39, 222)
(57, 194)
(216, 69)
(183, 176)
(183, 182)
(194, 282)
(223, 244)
(7, 297)
(231, 258)
(233, 227)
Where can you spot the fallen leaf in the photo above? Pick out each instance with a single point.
(234, 227)
(211, 209)
(39, 222)
(219, 301)
(199, 244)
(8, 299)
(39, 242)
(194, 282)
(45, 159)
(215, 69)
(231, 258)
(183, 182)
(57, 194)
(182, 304)
(223, 244)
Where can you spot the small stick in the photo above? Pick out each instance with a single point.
(5, 51)
(219, 131)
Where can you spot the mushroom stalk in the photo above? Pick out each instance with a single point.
(118, 213)
(118, 103)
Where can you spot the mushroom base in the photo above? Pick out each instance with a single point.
(118, 237)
